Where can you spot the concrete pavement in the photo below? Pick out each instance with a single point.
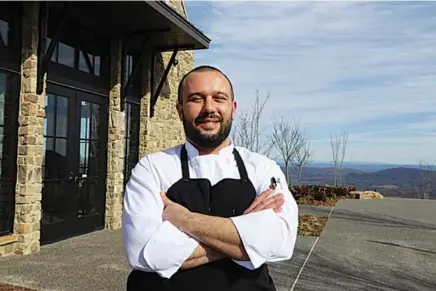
(387, 244)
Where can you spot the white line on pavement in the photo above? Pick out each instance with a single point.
(307, 258)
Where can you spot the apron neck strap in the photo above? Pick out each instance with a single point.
(185, 169)
(241, 166)
(184, 160)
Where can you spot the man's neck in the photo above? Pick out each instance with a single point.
(212, 151)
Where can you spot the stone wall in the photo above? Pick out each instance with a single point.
(30, 140)
(164, 129)
(115, 166)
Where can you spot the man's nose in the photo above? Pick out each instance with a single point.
(208, 105)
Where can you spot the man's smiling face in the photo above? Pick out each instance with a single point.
(207, 108)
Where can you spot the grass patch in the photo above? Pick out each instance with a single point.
(310, 225)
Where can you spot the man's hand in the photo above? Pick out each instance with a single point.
(174, 212)
(264, 201)
(218, 233)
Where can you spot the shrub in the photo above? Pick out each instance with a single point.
(321, 192)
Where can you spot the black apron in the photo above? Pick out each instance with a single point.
(229, 197)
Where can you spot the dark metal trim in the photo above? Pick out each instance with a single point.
(45, 56)
(8, 70)
(162, 81)
(172, 15)
(135, 69)
(152, 66)
(162, 49)
(77, 88)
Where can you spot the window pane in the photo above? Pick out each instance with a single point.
(128, 67)
(131, 138)
(7, 131)
(61, 116)
(66, 55)
(7, 148)
(4, 32)
(49, 158)
(49, 120)
(97, 65)
(85, 110)
(83, 66)
(95, 121)
(61, 147)
(84, 157)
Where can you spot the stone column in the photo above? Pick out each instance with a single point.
(30, 140)
(115, 168)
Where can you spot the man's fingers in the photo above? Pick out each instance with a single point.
(278, 209)
(270, 203)
(262, 196)
(165, 199)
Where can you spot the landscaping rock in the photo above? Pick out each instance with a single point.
(367, 195)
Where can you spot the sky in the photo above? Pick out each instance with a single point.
(367, 68)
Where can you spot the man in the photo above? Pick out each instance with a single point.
(202, 215)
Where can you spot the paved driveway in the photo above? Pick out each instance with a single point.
(387, 244)
(96, 262)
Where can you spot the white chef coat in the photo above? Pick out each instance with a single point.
(156, 246)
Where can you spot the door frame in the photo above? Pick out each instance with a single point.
(74, 225)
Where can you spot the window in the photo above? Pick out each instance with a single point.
(131, 135)
(4, 33)
(76, 58)
(133, 115)
(8, 146)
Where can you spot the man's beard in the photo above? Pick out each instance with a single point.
(206, 141)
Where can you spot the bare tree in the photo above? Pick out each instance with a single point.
(426, 176)
(248, 133)
(302, 156)
(339, 148)
(288, 140)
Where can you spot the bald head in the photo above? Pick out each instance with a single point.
(200, 69)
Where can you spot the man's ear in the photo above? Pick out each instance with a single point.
(235, 106)
(179, 108)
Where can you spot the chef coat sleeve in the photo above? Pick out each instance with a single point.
(268, 236)
(150, 244)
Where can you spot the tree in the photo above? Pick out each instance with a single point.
(302, 157)
(248, 133)
(426, 176)
(288, 140)
(339, 148)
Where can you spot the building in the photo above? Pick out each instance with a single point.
(86, 88)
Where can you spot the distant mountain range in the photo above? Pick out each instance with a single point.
(389, 180)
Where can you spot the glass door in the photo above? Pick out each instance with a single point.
(75, 133)
(90, 161)
(9, 95)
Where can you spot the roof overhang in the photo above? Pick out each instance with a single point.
(135, 20)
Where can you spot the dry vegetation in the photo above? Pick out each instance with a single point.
(320, 195)
(8, 287)
(310, 225)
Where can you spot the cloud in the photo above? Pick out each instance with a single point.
(359, 66)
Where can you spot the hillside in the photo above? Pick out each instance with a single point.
(398, 182)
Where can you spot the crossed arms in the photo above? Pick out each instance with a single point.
(162, 236)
